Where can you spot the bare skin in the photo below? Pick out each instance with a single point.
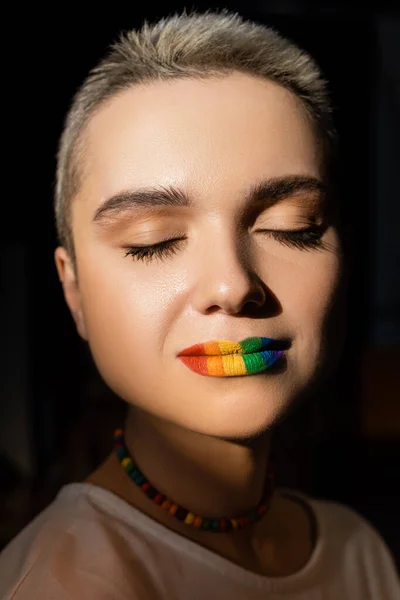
(204, 441)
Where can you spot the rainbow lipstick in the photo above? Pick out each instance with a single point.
(223, 358)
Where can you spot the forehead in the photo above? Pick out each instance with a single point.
(212, 134)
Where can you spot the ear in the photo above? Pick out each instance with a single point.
(72, 295)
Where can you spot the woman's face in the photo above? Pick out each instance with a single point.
(230, 275)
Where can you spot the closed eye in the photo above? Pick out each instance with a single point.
(162, 250)
(302, 239)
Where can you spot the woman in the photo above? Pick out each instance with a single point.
(201, 258)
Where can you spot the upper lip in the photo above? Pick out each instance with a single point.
(273, 344)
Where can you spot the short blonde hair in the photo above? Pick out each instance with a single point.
(196, 45)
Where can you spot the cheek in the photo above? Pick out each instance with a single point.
(307, 291)
(122, 328)
(313, 297)
(128, 309)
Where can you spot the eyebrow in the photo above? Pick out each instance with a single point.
(268, 192)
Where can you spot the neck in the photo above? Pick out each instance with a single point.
(212, 477)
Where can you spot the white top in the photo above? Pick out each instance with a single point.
(89, 544)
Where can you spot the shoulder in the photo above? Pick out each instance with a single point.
(346, 524)
(335, 521)
(70, 550)
(354, 543)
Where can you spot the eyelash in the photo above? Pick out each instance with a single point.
(302, 239)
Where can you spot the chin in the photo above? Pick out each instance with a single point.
(236, 408)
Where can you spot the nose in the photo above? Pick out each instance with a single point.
(226, 282)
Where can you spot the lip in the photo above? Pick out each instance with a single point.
(224, 358)
(225, 347)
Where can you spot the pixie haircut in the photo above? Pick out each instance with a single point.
(194, 45)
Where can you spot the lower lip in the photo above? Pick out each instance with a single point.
(232, 365)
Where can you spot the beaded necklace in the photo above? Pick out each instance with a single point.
(220, 524)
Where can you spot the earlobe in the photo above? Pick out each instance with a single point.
(72, 295)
